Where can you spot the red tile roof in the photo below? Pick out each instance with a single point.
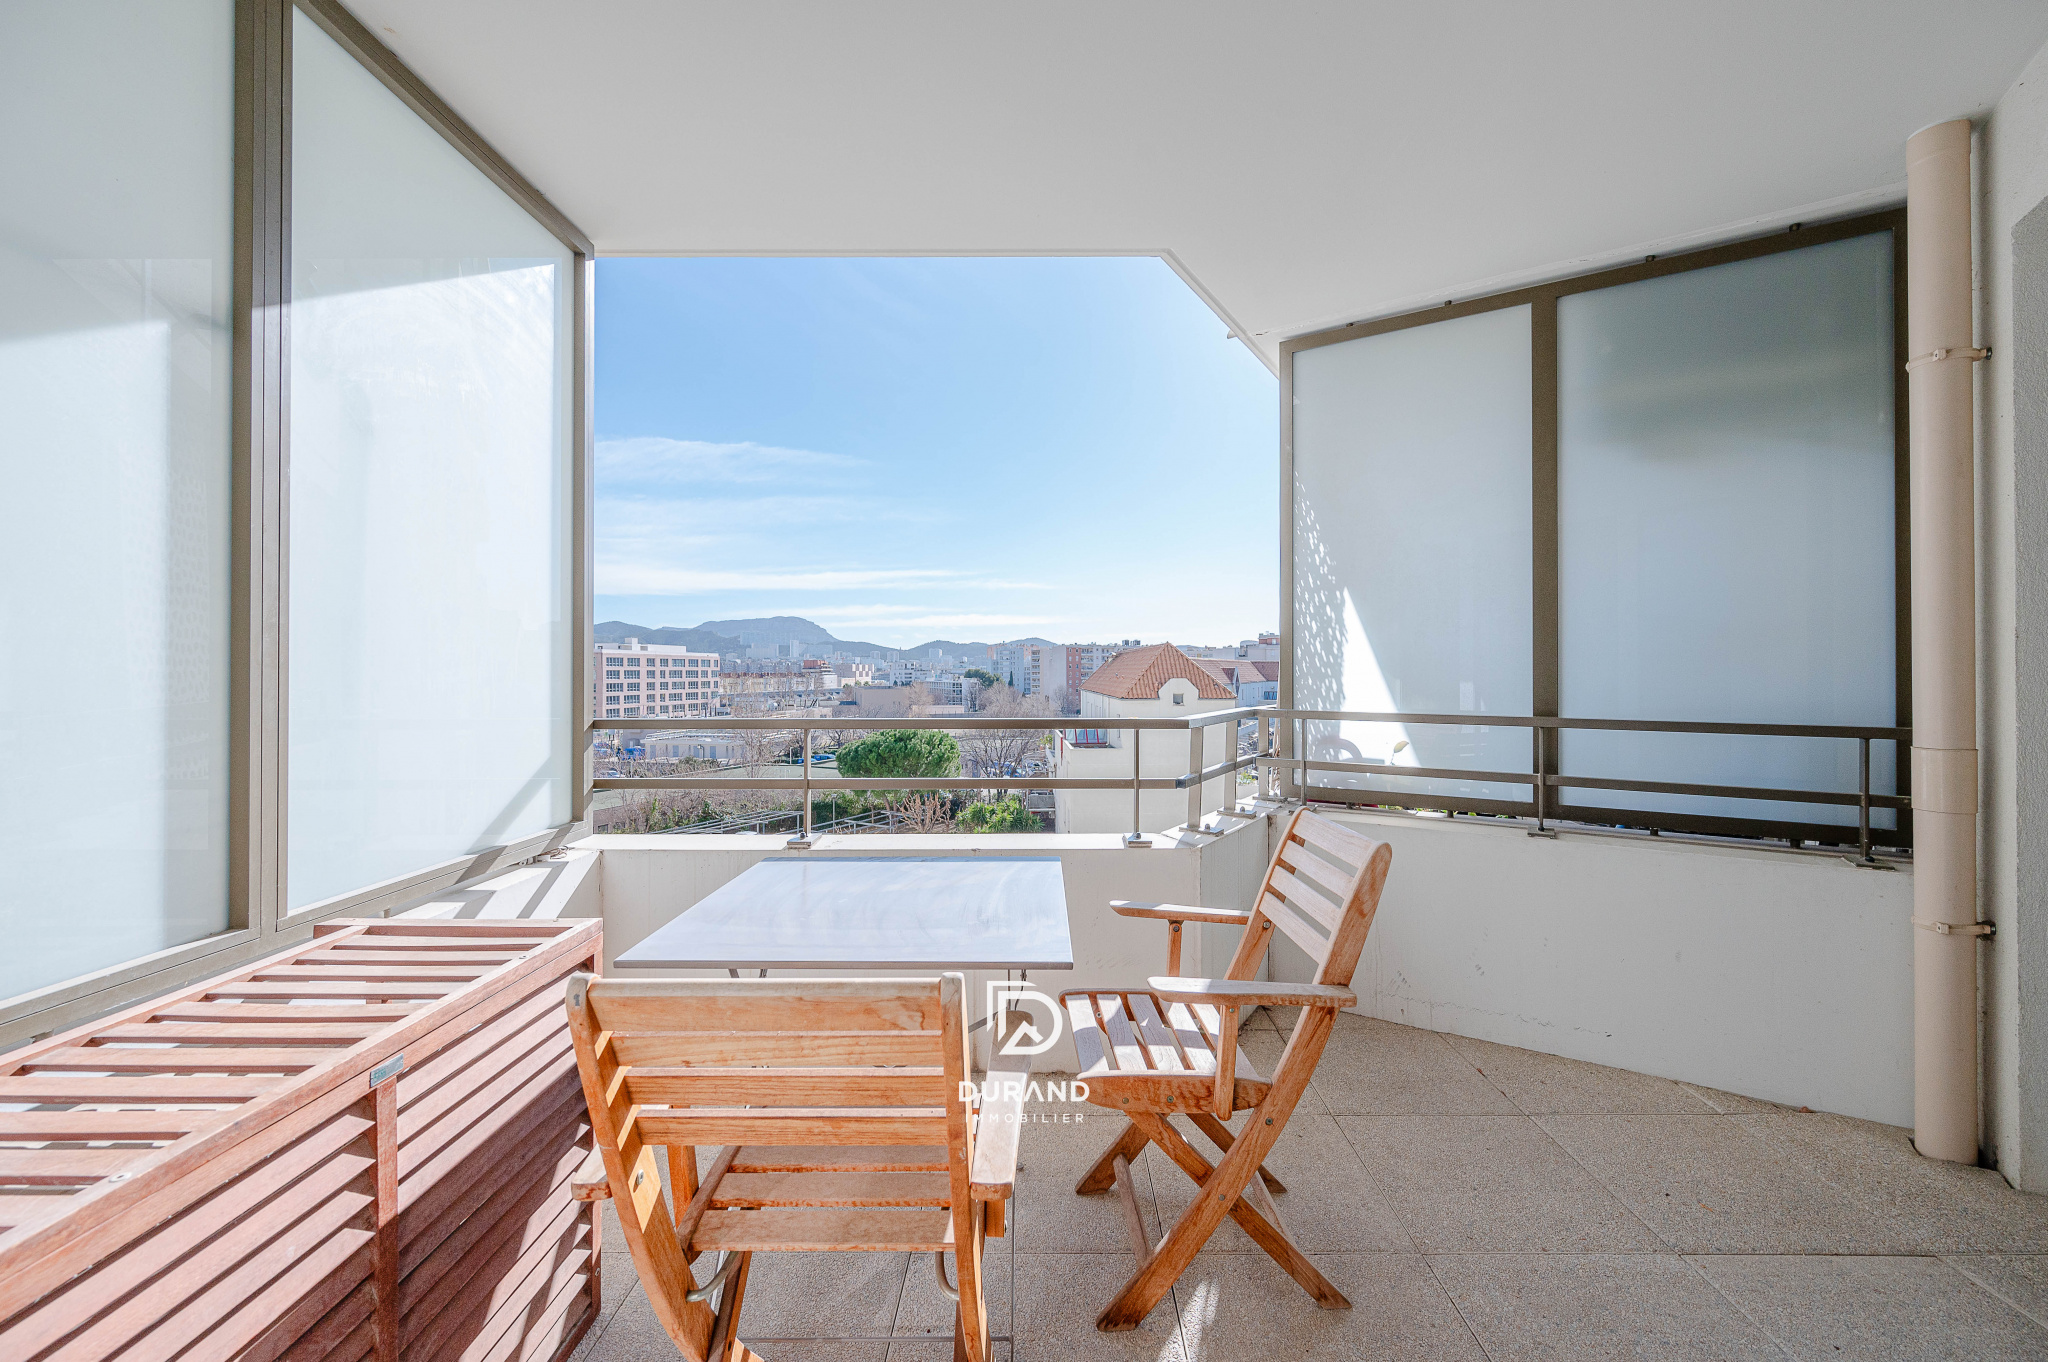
(1139, 673)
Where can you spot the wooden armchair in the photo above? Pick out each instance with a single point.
(837, 1109)
(1172, 1048)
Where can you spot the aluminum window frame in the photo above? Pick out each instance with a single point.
(1542, 301)
(260, 457)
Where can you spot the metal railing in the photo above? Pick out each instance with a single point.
(1196, 727)
(1281, 753)
(1545, 779)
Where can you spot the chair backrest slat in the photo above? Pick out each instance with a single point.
(1321, 892)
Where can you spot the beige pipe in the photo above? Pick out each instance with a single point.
(1938, 320)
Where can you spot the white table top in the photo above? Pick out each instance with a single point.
(880, 912)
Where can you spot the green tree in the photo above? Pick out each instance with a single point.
(988, 679)
(1005, 815)
(901, 753)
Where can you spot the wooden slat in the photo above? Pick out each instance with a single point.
(334, 988)
(173, 1091)
(1322, 906)
(833, 1189)
(1350, 847)
(810, 1005)
(63, 1167)
(390, 959)
(778, 1048)
(378, 1015)
(321, 970)
(375, 942)
(1131, 1055)
(89, 1124)
(1169, 1053)
(1090, 1045)
(1312, 940)
(756, 1158)
(793, 1125)
(210, 1059)
(533, 933)
(808, 1087)
(881, 1229)
(329, 1035)
(312, 1168)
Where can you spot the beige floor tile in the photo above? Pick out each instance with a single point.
(1235, 1307)
(1539, 1083)
(937, 1350)
(1049, 1217)
(2018, 1279)
(1571, 1308)
(1263, 1049)
(1491, 1184)
(1060, 1294)
(1714, 1184)
(1374, 1068)
(1946, 1207)
(1850, 1308)
(1331, 1205)
(927, 1310)
(1732, 1103)
(823, 1295)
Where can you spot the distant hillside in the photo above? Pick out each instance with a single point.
(736, 636)
(701, 640)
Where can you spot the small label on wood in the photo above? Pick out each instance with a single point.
(390, 1068)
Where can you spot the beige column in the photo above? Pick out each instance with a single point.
(1939, 336)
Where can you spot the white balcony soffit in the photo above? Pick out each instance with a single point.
(1301, 164)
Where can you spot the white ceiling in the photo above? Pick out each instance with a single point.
(1302, 164)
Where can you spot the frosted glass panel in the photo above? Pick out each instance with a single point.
(1412, 547)
(116, 255)
(1725, 519)
(430, 337)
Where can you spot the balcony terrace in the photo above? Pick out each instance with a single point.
(1474, 1201)
(1662, 538)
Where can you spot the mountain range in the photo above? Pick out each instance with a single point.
(736, 636)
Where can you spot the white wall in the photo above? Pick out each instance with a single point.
(1773, 974)
(2012, 179)
(1166, 755)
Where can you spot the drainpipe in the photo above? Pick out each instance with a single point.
(1939, 333)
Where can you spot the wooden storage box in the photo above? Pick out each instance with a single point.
(359, 1148)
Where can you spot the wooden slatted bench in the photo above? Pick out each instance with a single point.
(359, 1148)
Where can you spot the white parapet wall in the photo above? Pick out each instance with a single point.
(647, 881)
(1768, 973)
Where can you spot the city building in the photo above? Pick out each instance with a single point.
(635, 680)
(1159, 681)
(1256, 683)
(1082, 660)
(758, 684)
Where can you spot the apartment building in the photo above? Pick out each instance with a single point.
(1082, 660)
(754, 684)
(635, 680)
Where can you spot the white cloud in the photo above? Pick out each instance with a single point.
(649, 462)
(645, 579)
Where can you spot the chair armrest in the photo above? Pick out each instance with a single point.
(590, 1182)
(1178, 912)
(1252, 993)
(1001, 1124)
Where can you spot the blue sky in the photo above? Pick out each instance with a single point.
(905, 449)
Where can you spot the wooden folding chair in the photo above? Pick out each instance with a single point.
(1173, 1050)
(837, 1108)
